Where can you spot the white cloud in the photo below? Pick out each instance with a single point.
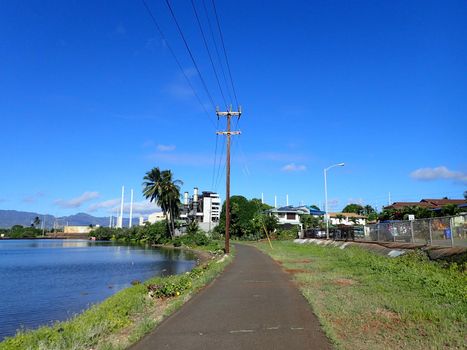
(333, 204)
(120, 29)
(104, 204)
(359, 201)
(33, 197)
(192, 159)
(139, 208)
(165, 148)
(78, 201)
(293, 167)
(438, 173)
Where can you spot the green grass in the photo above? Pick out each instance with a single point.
(121, 319)
(366, 301)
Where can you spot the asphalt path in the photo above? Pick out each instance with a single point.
(252, 305)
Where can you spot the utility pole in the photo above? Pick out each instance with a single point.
(228, 133)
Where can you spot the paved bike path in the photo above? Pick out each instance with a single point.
(252, 305)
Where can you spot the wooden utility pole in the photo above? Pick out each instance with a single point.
(228, 133)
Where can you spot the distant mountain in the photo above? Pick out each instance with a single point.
(10, 218)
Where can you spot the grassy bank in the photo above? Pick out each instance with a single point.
(365, 301)
(126, 316)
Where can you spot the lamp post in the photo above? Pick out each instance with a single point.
(326, 196)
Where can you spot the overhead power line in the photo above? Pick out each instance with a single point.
(191, 54)
(163, 37)
(225, 51)
(209, 52)
(228, 88)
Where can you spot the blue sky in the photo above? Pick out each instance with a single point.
(91, 99)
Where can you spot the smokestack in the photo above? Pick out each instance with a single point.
(275, 201)
(195, 201)
(185, 199)
(262, 198)
(131, 209)
(287, 199)
(120, 219)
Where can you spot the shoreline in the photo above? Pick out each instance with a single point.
(125, 314)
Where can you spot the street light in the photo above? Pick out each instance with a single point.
(326, 196)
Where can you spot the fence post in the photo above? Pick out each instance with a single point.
(431, 233)
(377, 232)
(411, 231)
(451, 226)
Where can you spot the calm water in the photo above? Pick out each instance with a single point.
(42, 281)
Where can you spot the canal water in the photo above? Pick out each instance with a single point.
(42, 281)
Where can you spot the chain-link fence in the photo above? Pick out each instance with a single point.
(447, 231)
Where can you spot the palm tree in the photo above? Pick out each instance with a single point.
(160, 187)
(36, 222)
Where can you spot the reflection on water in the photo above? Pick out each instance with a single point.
(42, 281)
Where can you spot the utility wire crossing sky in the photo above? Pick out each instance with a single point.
(93, 95)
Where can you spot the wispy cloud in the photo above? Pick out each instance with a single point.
(439, 173)
(292, 167)
(120, 29)
(78, 201)
(180, 90)
(139, 208)
(355, 201)
(203, 159)
(33, 197)
(104, 204)
(333, 204)
(278, 156)
(195, 159)
(165, 148)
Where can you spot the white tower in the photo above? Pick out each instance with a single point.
(120, 218)
(131, 209)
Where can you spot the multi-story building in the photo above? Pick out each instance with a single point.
(205, 208)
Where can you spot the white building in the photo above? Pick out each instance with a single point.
(205, 208)
(291, 215)
(211, 207)
(348, 219)
(158, 216)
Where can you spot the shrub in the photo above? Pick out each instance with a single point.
(102, 233)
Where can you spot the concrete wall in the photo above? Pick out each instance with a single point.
(77, 229)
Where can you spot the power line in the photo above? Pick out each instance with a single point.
(214, 164)
(225, 51)
(161, 33)
(219, 167)
(191, 54)
(216, 49)
(209, 52)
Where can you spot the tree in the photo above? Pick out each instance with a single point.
(160, 187)
(264, 222)
(353, 208)
(449, 209)
(242, 212)
(310, 221)
(36, 222)
(368, 209)
(314, 206)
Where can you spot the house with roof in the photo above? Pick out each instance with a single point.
(291, 215)
(432, 204)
